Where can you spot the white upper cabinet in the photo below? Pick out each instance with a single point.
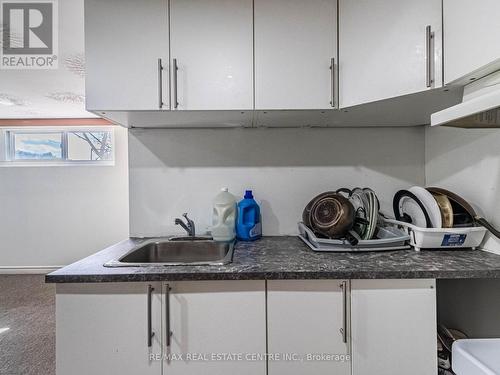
(125, 41)
(232, 63)
(393, 327)
(295, 43)
(472, 37)
(305, 317)
(212, 47)
(388, 48)
(215, 318)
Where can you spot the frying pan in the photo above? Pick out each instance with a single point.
(446, 209)
(332, 215)
(458, 200)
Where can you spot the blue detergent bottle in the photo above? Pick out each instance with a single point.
(248, 224)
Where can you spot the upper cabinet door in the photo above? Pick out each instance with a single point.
(212, 48)
(305, 317)
(125, 43)
(388, 48)
(295, 44)
(471, 34)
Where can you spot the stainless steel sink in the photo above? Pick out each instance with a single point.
(176, 251)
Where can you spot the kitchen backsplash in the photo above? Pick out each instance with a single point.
(175, 171)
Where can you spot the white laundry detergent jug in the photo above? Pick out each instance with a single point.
(224, 216)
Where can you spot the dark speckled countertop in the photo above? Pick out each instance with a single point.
(289, 258)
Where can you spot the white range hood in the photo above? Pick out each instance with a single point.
(480, 107)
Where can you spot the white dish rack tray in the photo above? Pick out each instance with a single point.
(388, 238)
(441, 238)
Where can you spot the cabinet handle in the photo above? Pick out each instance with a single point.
(160, 84)
(429, 35)
(332, 77)
(167, 311)
(175, 69)
(343, 330)
(150, 328)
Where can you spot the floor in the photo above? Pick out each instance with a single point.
(27, 325)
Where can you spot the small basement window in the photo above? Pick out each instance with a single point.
(56, 146)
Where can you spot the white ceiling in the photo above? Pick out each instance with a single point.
(57, 93)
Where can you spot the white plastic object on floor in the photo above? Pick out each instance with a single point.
(224, 216)
(476, 357)
(442, 238)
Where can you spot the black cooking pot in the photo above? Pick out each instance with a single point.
(332, 215)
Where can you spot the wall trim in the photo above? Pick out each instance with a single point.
(33, 270)
(56, 122)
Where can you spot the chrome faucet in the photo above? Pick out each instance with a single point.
(188, 226)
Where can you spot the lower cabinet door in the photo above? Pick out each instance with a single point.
(393, 327)
(305, 319)
(103, 329)
(217, 328)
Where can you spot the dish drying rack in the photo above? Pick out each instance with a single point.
(441, 238)
(388, 237)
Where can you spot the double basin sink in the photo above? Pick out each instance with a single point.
(176, 251)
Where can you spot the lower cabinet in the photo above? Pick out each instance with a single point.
(103, 329)
(306, 325)
(380, 327)
(393, 327)
(217, 328)
(121, 328)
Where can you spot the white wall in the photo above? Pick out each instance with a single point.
(176, 171)
(467, 161)
(51, 216)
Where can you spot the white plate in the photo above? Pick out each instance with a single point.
(407, 205)
(430, 205)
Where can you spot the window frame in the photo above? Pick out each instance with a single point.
(9, 134)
